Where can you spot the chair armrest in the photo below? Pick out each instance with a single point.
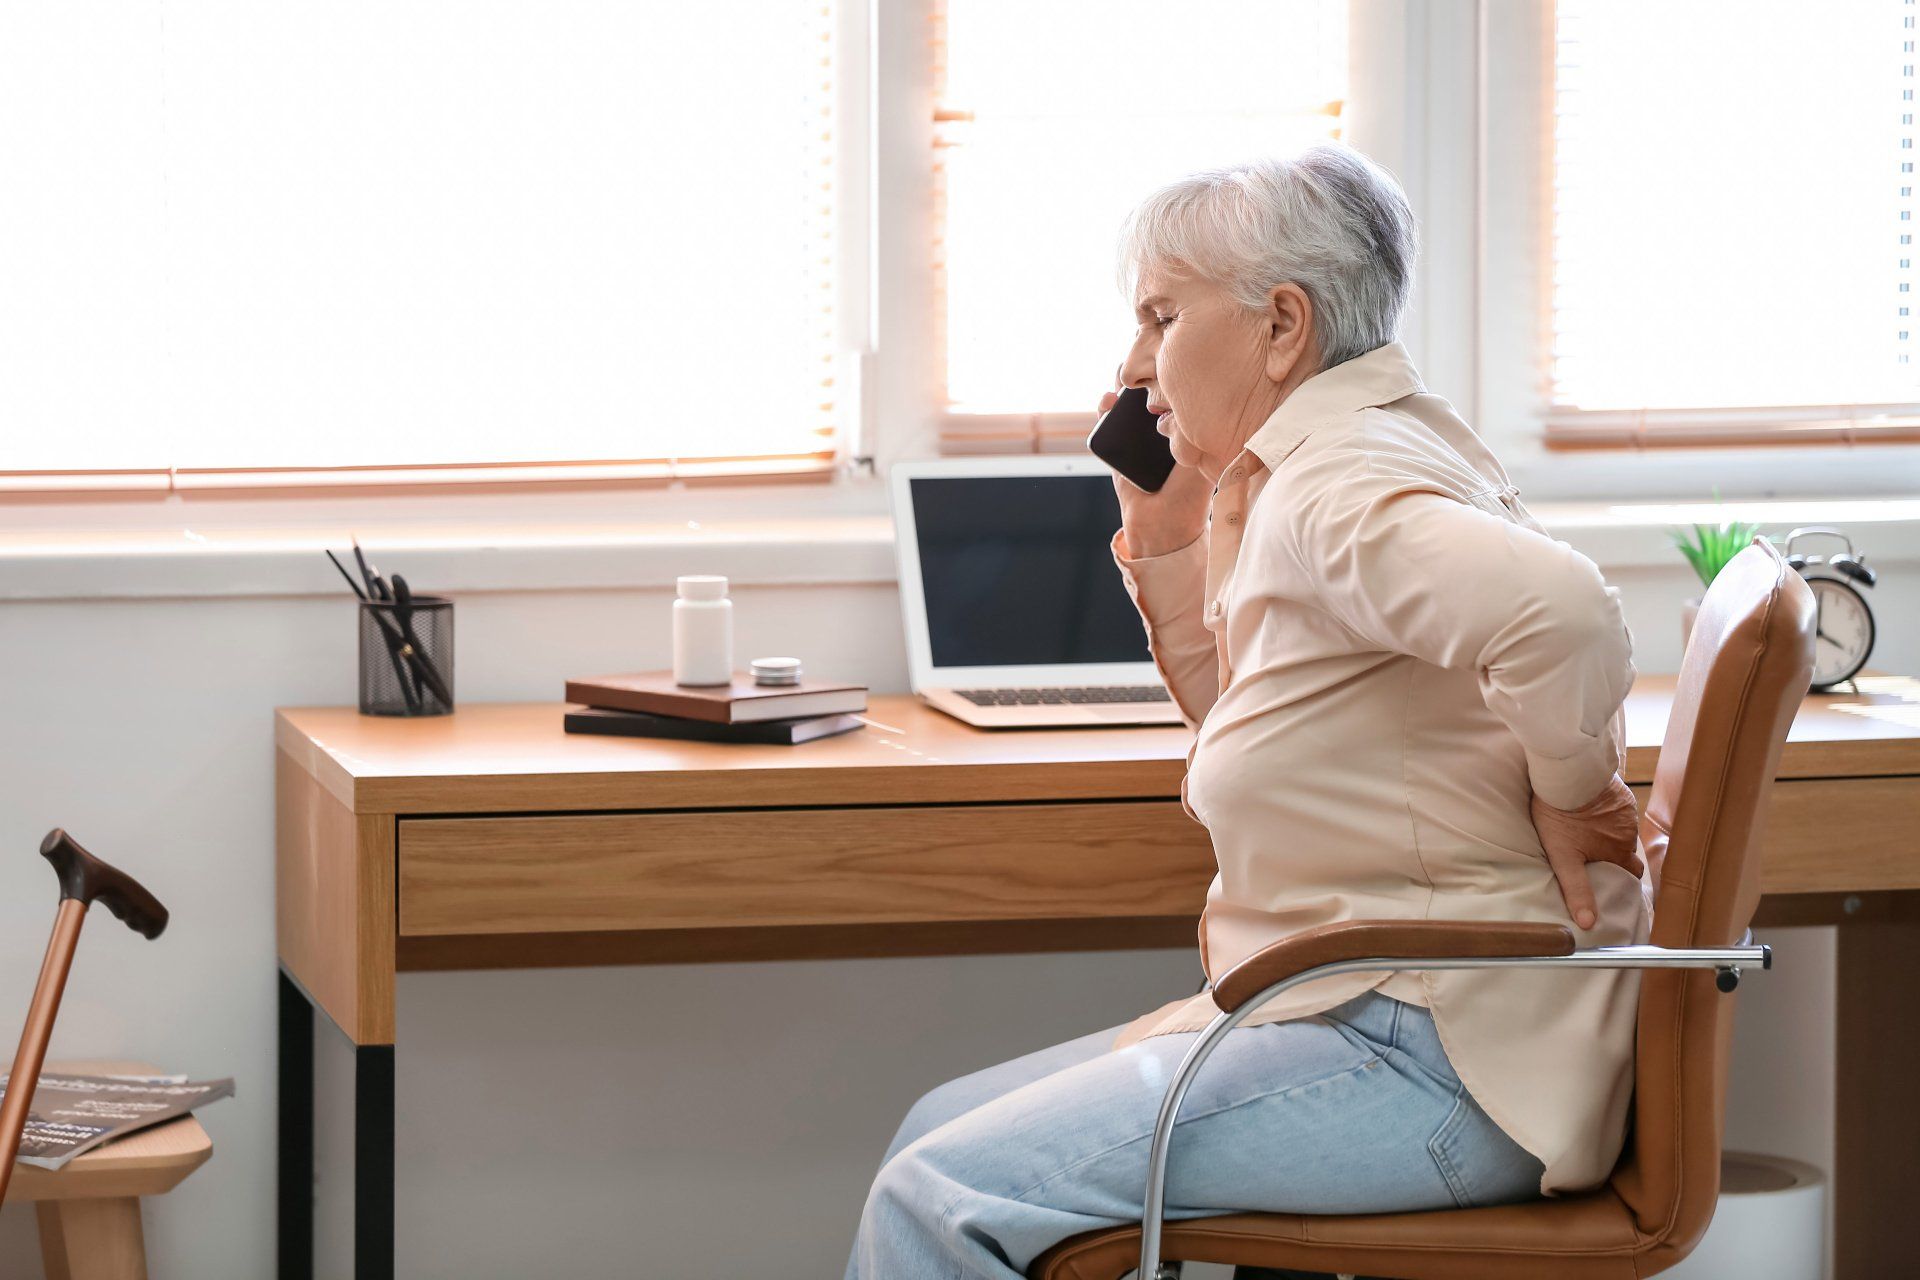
(1385, 940)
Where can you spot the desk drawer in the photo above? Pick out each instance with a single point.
(685, 870)
(1838, 835)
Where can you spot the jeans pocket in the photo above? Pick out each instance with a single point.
(1449, 1147)
(1482, 1165)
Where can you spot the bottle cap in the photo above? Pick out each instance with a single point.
(776, 670)
(702, 586)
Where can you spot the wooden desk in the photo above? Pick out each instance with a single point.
(491, 839)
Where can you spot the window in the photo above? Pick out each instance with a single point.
(415, 239)
(1053, 121)
(1732, 221)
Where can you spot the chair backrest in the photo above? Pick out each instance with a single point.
(1747, 667)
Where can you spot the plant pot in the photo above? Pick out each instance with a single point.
(1689, 610)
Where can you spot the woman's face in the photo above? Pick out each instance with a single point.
(1209, 364)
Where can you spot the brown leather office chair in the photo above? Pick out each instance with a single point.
(1747, 667)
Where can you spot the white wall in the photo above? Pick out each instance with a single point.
(695, 1099)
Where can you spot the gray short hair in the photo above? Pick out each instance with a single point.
(1327, 219)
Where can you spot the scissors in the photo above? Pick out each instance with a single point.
(412, 650)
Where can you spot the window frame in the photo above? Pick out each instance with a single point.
(1511, 59)
(1412, 105)
(1456, 100)
(1466, 145)
(70, 497)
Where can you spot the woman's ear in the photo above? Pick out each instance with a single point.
(1290, 349)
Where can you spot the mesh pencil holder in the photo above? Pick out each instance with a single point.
(406, 657)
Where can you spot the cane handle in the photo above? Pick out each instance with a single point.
(86, 879)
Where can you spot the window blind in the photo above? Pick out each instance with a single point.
(1732, 222)
(414, 241)
(1052, 122)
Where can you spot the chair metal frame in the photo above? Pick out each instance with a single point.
(1728, 960)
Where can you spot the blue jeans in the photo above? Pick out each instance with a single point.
(1355, 1110)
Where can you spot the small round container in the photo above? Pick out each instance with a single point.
(776, 671)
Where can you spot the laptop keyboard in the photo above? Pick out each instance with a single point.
(1058, 697)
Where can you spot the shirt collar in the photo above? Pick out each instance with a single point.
(1379, 377)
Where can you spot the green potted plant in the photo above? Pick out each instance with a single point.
(1708, 548)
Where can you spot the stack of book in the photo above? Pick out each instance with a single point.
(648, 704)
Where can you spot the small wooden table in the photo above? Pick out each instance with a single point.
(90, 1209)
(491, 839)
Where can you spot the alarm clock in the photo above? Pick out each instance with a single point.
(1843, 626)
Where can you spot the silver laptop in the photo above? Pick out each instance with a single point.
(1015, 614)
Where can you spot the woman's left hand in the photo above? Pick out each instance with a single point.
(1605, 829)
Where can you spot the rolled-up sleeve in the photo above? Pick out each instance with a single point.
(1167, 590)
(1418, 571)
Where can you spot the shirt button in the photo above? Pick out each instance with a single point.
(1239, 473)
(1233, 517)
(1215, 610)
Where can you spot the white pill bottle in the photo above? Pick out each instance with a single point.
(702, 631)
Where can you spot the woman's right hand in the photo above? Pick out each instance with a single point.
(1157, 523)
(1604, 829)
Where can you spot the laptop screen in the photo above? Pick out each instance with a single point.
(1017, 571)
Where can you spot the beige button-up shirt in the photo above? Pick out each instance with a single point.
(1383, 654)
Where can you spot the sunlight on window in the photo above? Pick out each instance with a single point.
(1060, 117)
(414, 231)
(1732, 203)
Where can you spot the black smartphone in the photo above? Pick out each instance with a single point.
(1127, 440)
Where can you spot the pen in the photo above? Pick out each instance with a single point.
(366, 573)
(349, 577)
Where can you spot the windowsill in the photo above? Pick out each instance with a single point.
(792, 551)
(1634, 535)
(447, 559)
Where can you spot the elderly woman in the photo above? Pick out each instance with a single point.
(1407, 701)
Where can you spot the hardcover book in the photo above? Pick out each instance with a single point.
(741, 702)
(639, 724)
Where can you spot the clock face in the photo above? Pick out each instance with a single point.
(1844, 631)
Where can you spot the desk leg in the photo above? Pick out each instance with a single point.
(1876, 1120)
(373, 1146)
(295, 1157)
(373, 1162)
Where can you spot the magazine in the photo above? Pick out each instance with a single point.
(71, 1114)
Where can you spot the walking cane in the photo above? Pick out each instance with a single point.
(84, 879)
